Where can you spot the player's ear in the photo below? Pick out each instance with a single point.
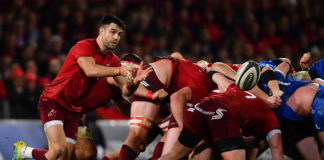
(101, 29)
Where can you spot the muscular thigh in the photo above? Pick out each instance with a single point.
(144, 108)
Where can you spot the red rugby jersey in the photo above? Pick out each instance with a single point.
(251, 112)
(186, 73)
(71, 85)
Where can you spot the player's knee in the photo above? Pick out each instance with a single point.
(174, 97)
(58, 149)
(137, 133)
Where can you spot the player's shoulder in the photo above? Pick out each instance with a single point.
(86, 43)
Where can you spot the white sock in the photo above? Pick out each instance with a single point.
(26, 152)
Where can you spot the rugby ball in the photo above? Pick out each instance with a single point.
(247, 75)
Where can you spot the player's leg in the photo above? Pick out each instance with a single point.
(308, 148)
(158, 148)
(171, 138)
(203, 150)
(56, 142)
(267, 124)
(143, 115)
(52, 117)
(112, 156)
(151, 135)
(85, 147)
(71, 124)
(172, 135)
(275, 144)
(238, 154)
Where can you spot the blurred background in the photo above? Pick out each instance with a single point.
(36, 35)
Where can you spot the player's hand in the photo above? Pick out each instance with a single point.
(142, 74)
(305, 61)
(159, 95)
(126, 72)
(274, 101)
(202, 64)
(177, 55)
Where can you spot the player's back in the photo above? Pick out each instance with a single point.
(183, 73)
(186, 73)
(246, 108)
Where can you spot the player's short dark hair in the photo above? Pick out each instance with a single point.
(112, 19)
(131, 57)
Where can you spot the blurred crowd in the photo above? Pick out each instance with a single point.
(36, 35)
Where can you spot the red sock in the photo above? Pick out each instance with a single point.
(157, 151)
(126, 153)
(105, 158)
(39, 154)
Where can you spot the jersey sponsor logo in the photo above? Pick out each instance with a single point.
(283, 83)
(145, 84)
(202, 111)
(251, 96)
(219, 114)
(52, 113)
(216, 91)
(191, 109)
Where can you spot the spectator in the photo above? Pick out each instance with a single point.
(230, 31)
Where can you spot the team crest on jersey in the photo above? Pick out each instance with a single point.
(52, 113)
(219, 114)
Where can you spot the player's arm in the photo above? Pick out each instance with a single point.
(305, 61)
(160, 94)
(221, 81)
(224, 69)
(91, 69)
(141, 91)
(319, 80)
(268, 77)
(177, 102)
(129, 86)
(284, 68)
(273, 101)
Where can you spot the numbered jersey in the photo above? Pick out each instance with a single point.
(252, 113)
